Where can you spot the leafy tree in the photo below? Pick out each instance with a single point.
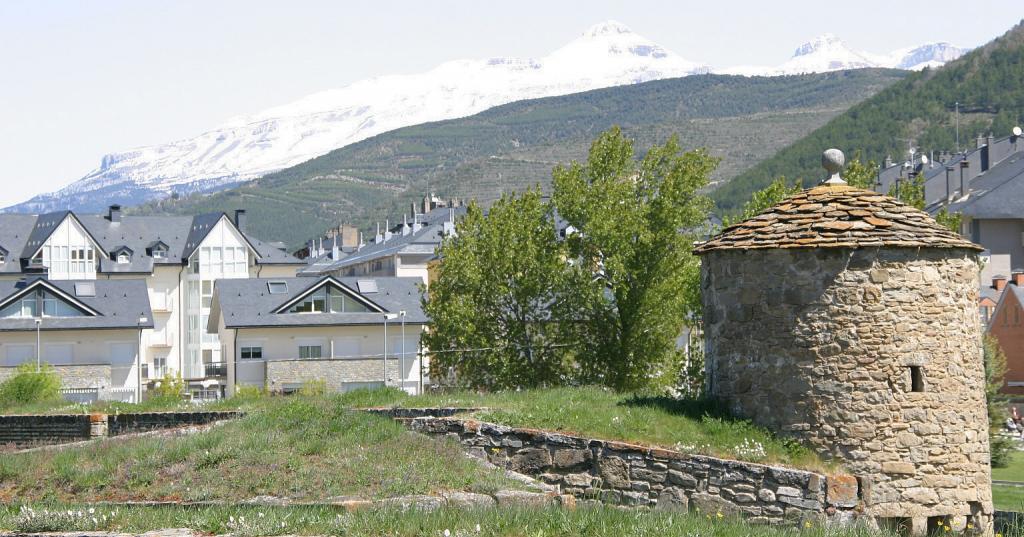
(633, 222)
(501, 305)
(995, 372)
(763, 199)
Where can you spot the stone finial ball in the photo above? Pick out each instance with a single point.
(833, 160)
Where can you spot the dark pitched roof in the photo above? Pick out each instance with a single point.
(424, 241)
(837, 216)
(247, 303)
(26, 233)
(117, 303)
(998, 193)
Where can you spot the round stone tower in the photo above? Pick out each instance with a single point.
(850, 320)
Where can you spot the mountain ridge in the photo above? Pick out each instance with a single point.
(245, 147)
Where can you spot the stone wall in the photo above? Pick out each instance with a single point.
(149, 421)
(626, 474)
(25, 431)
(74, 376)
(336, 372)
(37, 430)
(872, 356)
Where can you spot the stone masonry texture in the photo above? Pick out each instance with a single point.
(73, 376)
(625, 474)
(872, 356)
(335, 372)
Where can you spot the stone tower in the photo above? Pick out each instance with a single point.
(850, 320)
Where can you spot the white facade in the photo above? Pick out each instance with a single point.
(179, 296)
(85, 358)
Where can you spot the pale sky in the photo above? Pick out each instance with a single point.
(79, 79)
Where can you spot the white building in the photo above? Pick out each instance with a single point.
(280, 333)
(177, 259)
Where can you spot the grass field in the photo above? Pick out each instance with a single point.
(693, 426)
(491, 522)
(687, 425)
(296, 447)
(1008, 497)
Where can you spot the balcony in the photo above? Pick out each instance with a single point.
(215, 369)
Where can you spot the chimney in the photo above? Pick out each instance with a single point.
(405, 225)
(979, 142)
(1017, 277)
(998, 282)
(240, 219)
(887, 163)
(114, 214)
(335, 251)
(350, 237)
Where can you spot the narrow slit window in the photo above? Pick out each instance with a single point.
(916, 378)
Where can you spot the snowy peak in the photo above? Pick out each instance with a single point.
(830, 53)
(824, 42)
(608, 27)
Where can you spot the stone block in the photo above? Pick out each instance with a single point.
(672, 499)
(682, 479)
(614, 472)
(531, 460)
(894, 467)
(710, 503)
(521, 498)
(566, 459)
(842, 491)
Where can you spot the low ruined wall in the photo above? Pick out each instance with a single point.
(150, 421)
(38, 430)
(436, 412)
(626, 474)
(335, 372)
(25, 431)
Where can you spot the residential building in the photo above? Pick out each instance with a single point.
(408, 249)
(1007, 326)
(280, 333)
(176, 258)
(992, 215)
(88, 330)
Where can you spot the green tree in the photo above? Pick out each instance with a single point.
(634, 223)
(763, 200)
(995, 373)
(501, 306)
(29, 385)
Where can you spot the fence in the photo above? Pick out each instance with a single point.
(90, 395)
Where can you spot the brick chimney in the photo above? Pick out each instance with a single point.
(1017, 277)
(998, 282)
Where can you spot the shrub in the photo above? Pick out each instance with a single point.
(169, 387)
(314, 387)
(29, 386)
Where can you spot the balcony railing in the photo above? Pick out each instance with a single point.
(216, 369)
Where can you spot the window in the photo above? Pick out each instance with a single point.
(252, 353)
(277, 288)
(3, 257)
(29, 306)
(916, 378)
(122, 258)
(367, 286)
(310, 351)
(159, 366)
(328, 299)
(85, 289)
(207, 290)
(159, 253)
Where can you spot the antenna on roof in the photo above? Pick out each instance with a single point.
(833, 160)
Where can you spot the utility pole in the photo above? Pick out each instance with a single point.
(401, 365)
(957, 126)
(39, 360)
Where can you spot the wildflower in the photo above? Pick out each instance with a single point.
(807, 524)
(260, 514)
(231, 519)
(94, 521)
(478, 528)
(92, 510)
(447, 533)
(719, 514)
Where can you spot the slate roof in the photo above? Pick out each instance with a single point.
(424, 241)
(26, 233)
(998, 193)
(247, 303)
(118, 302)
(837, 216)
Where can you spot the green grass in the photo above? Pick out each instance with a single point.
(492, 522)
(687, 425)
(1008, 497)
(295, 447)
(1014, 471)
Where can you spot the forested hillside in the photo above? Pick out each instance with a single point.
(988, 84)
(742, 120)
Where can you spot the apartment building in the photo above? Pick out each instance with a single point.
(178, 259)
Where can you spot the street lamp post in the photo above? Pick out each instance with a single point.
(39, 360)
(138, 365)
(401, 364)
(387, 316)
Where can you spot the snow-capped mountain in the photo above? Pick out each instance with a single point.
(607, 54)
(829, 53)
